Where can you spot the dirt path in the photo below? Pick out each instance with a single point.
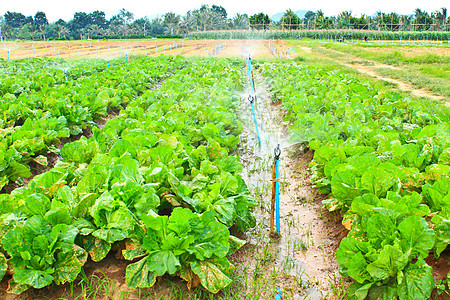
(370, 68)
(309, 234)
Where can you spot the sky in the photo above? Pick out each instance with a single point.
(65, 9)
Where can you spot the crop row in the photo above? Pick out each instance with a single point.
(323, 34)
(384, 159)
(45, 100)
(159, 179)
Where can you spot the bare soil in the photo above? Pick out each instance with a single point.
(310, 235)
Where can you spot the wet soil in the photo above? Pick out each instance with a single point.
(310, 235)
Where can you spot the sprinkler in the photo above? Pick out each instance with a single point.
(275, 205)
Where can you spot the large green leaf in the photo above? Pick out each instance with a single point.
(384, 292)
(358, 291)
(138, 275)
(110, 235)
(390, 261)
(97, 248)
(416, 237)
(214, 274)
(442, 231)
(417, 283)
(35, 278)
(346, 185)
(377, 181)
(212, 238)
(351, 259)
(68, 265)
(162, 262)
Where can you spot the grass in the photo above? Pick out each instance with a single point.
(419, 80)
(428, 71)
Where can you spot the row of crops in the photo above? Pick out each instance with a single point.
(158, 179)
(440, 36)
(385, 161)
(43, 101)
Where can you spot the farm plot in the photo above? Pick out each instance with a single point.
(105, 49)
(173, 184)
(44, 101)
(158, 179)
(382, 158)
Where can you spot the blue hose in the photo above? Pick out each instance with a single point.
(256, 125)
(253, 96)
(278, 295)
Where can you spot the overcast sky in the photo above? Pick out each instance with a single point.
(65, 9)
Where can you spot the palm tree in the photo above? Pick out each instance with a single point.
(93, 29)
(65, 31)
(344, 19)
(124, 29)
(172, 20)
(379, 19)
(240, 21)
(82, 32)
(188, 23)
(405, 22)
(6, 30)
(440, 16)
(205, 16)
(58, 29)
(42, 28)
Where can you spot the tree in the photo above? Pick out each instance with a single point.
(344, 19)
(98, 18)
(440, 17)
(80, 21)
(16, 20)
(309, 19)
(389, 21)
(61, 22)
(65, 31)
(189, 22)
(141, 26)
(220, 11)
(322, 22)
(93, 29)
(125, 16)
(209, 18)
(422, 20)
(40, 19)
(260, 21)
(290, 20)
(157, 27)
(240, 21)
(171, 20)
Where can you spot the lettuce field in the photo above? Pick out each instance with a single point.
(152, 161)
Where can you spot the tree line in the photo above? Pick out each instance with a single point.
(15, 25)
(419, 21)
